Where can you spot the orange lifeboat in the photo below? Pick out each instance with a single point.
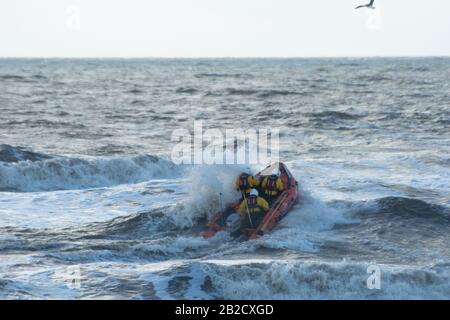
(279, 208)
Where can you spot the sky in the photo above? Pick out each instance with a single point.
(223, 28)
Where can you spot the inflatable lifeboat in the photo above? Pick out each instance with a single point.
(227, 219)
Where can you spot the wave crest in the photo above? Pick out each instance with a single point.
(61, 173)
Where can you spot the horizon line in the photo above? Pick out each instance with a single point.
(226, 57)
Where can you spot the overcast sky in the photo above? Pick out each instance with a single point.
(223, 28)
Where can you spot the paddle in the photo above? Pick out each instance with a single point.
(248, 211)
(221, 209)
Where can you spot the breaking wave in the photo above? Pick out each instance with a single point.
(26, 172)
(320, 280)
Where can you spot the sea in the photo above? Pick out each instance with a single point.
(92, 205)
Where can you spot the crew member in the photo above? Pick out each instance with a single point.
(272, 185)
(253, 206)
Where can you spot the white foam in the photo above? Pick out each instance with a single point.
(381, 175)
(321, 280)
(73, 208)
(171, 246)
(206, 183)
(73, 173)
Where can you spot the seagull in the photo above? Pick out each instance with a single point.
(370, 5)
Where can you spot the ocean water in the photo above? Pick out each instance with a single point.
(91, 205)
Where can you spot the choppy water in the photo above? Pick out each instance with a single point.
(86, 181)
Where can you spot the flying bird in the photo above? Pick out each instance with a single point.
(370, 5)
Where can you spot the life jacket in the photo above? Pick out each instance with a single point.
(252, 204)
(243, 181)
(271, 183)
